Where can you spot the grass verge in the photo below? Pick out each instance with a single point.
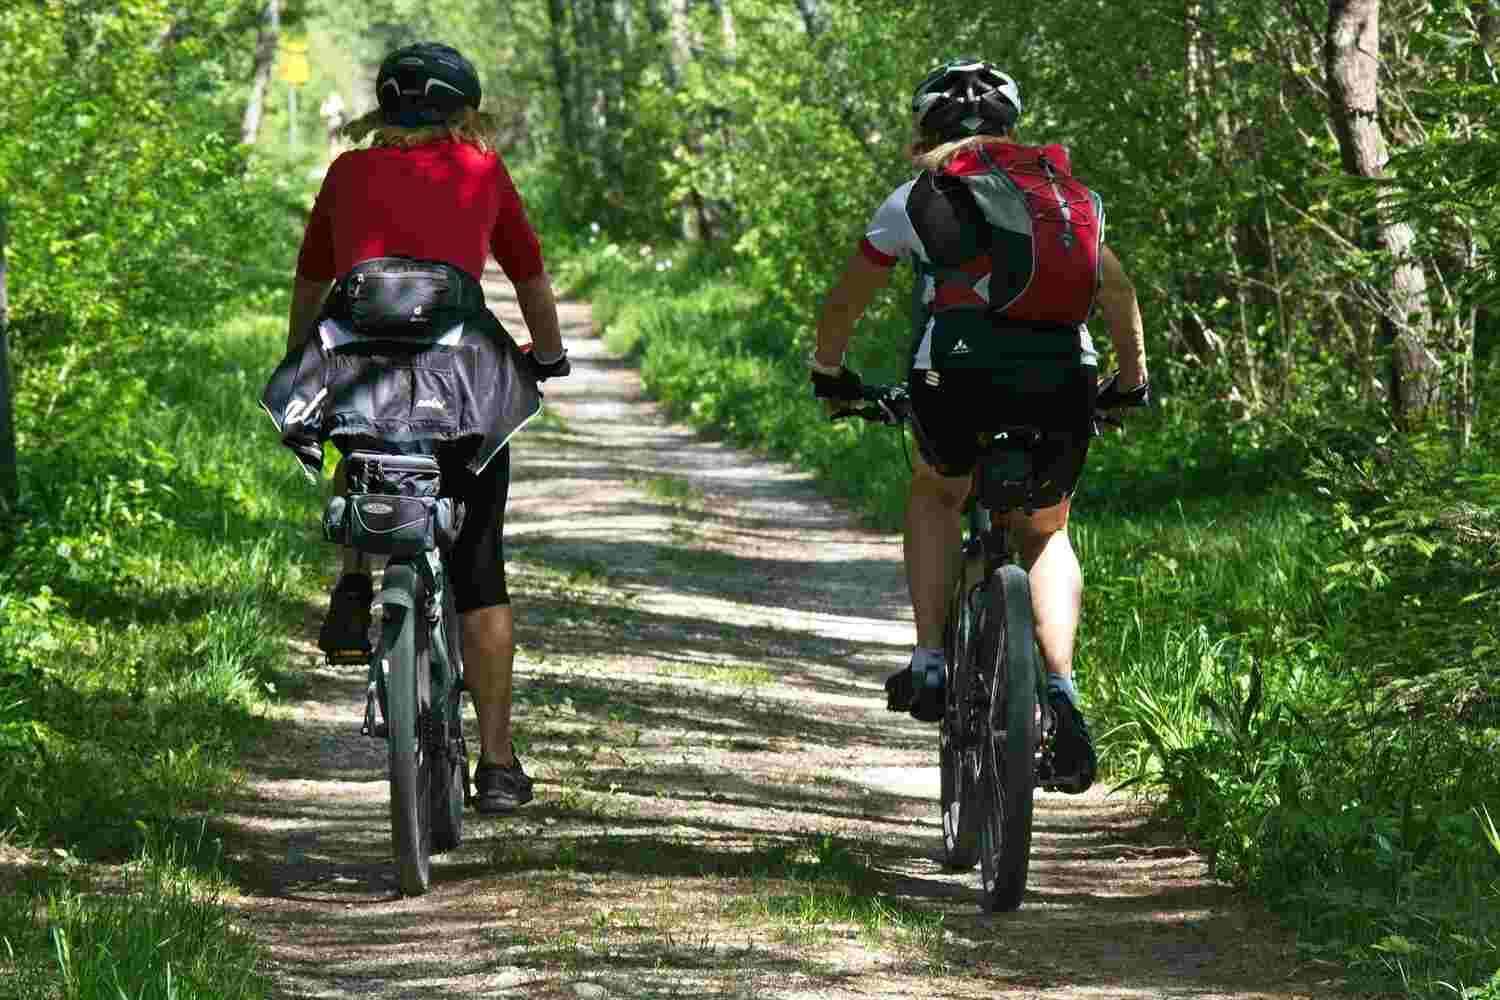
(158, 930)
(161, 556)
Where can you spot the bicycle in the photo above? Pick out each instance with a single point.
(997, 733)
(391, 506)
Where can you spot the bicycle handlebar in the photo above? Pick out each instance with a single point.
(891, 403)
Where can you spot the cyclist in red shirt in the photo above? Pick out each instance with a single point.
(1010, 259)
(429, 186)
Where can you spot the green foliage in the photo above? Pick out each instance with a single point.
(166, 934)
(129, 200)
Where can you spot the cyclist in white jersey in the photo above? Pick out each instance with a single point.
(1010, 259)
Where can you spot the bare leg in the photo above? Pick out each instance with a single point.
(933, 530)
(489, 657)
(1056, 582)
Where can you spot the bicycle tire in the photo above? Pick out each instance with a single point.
(451, 773)
(957, 756)
(1008, 750)
(409, 690)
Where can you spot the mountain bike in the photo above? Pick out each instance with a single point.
(391, 506)
(997, 733)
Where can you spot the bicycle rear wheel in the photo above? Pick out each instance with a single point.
(409, 694)
(957, 757)
(1008, 750)
(451, 763)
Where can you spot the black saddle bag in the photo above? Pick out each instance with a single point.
(404, 296)
(393, 506)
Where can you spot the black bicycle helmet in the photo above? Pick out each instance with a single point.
(965, 97)
(424, 84)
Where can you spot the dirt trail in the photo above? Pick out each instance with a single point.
(703, 640)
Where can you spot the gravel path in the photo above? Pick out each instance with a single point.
(724, 808)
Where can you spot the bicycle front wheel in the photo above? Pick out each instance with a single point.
(1008, 749)
(409, 692)
(957, 754)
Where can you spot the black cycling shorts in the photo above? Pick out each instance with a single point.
(476, 565)
(1055, 398)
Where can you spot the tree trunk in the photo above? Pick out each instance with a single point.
(660, 25)
(8, 477)
(1194, 42)
(813, 18)
(681, 38)
(1351, 59)
(266, 37)
(727, 34)
(689, 210)
(562, 72)
(610, 29)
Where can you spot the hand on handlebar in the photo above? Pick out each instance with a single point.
(1111, 397)
(845, 387)
(881, 404)
(552, 369)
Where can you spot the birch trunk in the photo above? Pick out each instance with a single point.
(266, 37)
(1351, 58)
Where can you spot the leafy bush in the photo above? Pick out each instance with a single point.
(129, 199)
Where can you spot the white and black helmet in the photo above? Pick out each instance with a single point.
(424, 84)
(965, 97)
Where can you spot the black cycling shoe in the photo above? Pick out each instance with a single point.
(1073, 761)
(499, 788)
(345, 635)
(901, 696)
(898, 691)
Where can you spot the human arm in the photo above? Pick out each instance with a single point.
(307, 302)
(1122, 315)
(539, 308)
(846, 302)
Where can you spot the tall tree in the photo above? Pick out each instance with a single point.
(1351, 59)
(266, 37)
(559, 53)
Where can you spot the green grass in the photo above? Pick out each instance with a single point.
(163, 555)
(160, 930)
(674, 490)
(821, 883)
(1290, 623)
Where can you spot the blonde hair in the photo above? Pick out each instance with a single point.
(464, 125)
(926, 156)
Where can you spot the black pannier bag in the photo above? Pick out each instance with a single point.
(405, 297)
(393, 506)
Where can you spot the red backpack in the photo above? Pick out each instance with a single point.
(1032, 203)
